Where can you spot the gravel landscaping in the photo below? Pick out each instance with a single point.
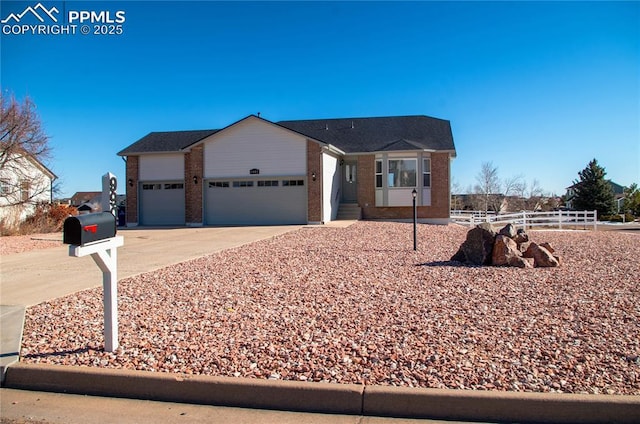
(10, 245)
(358, 305)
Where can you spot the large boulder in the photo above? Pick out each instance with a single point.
(478, 247)
(507, 248)
(541, 256)
(521, 237)
(508, 230)
(504, 252)
(521, 262)
(547, 246)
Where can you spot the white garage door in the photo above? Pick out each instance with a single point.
(256, 202)
(162, 203)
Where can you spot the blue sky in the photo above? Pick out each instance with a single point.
(538, 88)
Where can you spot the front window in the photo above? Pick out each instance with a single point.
(378, 174)
(4, 187)
(25, 188)
(402, 172)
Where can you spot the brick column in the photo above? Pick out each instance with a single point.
(193, 167)
(440, 188)
(132, 174)
(366, 179)
(314, 188)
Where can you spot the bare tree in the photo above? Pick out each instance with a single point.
(456, 201)
(488, 186)
(534, 196)
(23, 145)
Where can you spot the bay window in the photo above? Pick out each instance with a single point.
(398, 174)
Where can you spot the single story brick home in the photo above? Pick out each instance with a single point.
(258, 172)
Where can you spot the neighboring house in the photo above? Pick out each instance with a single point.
(91, 201)
(479, 202)
(618, 192)
(258, 172)
(87, 201)
(92, 198)
(85, 208)
(24, 182)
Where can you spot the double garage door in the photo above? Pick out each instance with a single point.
(228, 202)
(255, 201)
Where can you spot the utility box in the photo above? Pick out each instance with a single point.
(84, 229)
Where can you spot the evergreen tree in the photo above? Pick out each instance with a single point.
(593, 191)
(632, 200)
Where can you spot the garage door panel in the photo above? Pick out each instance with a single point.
(162, 204)
(256, 205)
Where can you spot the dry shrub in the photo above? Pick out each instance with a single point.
(10, 221)
(47, 218)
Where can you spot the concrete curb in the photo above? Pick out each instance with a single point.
(328, 398)
(494, 406)
(198, 389)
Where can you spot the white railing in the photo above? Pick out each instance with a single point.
(528, 219)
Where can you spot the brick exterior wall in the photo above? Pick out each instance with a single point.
(440, 196)
(193, 166)
(314, 188)
(132, 191)
(366, 179)
(440, 187)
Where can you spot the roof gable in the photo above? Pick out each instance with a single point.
(401, 144)
(20, 155)
(256, 120)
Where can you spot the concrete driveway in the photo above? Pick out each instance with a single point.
(33, 277)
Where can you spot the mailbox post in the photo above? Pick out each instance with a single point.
(105, 254)
(95, 235)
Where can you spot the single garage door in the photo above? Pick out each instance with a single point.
(162, 203)
(256, 202)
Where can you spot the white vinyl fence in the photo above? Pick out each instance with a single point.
(527, 219)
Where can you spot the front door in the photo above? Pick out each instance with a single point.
(349, 182)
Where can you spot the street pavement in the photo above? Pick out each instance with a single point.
(22, 406)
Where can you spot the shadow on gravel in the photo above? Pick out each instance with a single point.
(448, 263)
(60, 353)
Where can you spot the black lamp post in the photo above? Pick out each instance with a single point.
(414, 193)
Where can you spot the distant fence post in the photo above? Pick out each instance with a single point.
(524, 220)
(560, 219)
(595, 220)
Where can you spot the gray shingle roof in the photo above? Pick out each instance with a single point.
(351, 135)
(168, 141)
(361, 135)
